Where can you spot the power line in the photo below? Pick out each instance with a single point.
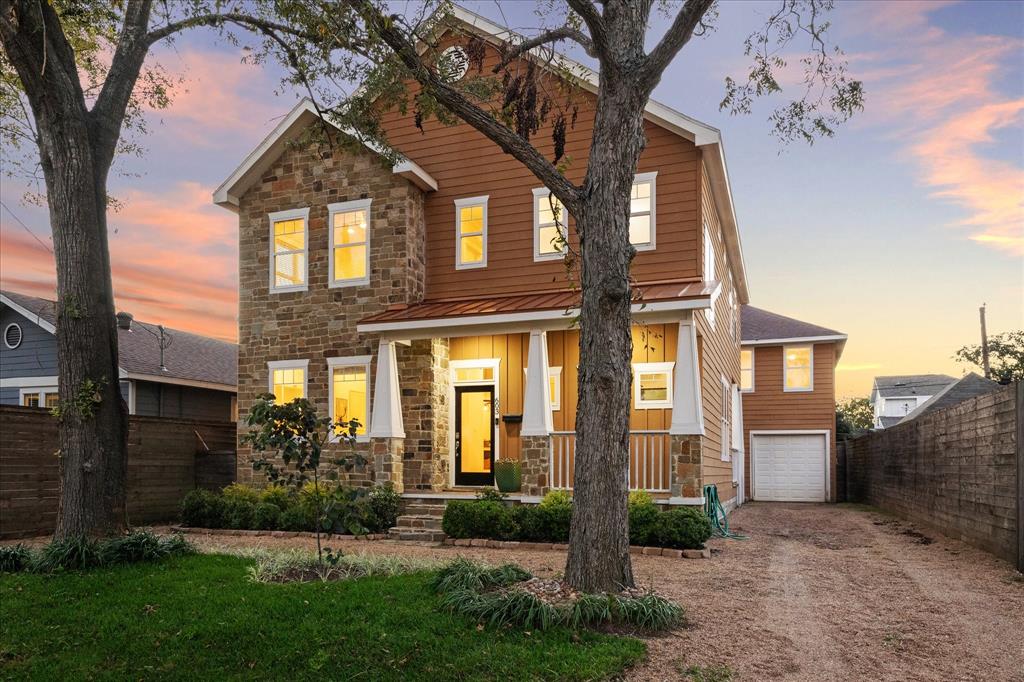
(18, 220)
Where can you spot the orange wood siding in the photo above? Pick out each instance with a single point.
(719, 354)
(467, 164)
(769, 408)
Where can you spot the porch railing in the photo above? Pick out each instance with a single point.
(649, 467)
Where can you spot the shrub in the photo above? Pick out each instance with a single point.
(238, 513)
(640, 497)
(538, 523)
(69, 554)
(202, 509)
(14, 558)
(242, 493)
(266, 516)
(682, 528)
(643, 519)
(277, 495)
(295, 518)
(479, 519)
(384, 503)
(557, 498)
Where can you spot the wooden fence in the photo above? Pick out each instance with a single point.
(166, 459)
(959, 470)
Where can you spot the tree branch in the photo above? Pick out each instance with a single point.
(218, 19)
(595, 25)
(674, 39)
(554, 35)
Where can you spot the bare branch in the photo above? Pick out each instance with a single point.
(595, 25)
(552, 36)
(688, 19)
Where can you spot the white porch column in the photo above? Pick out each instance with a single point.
(537, 396)
(687, 409)
(386, 417)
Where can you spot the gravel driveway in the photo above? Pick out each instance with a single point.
(818, 592)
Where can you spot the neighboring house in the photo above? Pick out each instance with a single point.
(789, 407)
(193, 378)
(428, 301)
(964, 388)
(893, 398)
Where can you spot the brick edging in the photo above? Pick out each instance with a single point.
(532, 546)
(275, 533)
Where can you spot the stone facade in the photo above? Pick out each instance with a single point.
(685, 461)
(535, 459)
(425, 385)
(320, 323)
(387, 461)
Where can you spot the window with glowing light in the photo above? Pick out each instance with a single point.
(798, 368)
(549, 226)
(350, 242)
(288, 380)
(747, 370)
(350, 393)
(289, 265)
(652, 385)
(471, 233)
(641, 212)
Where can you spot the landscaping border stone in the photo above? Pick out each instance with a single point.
(547, 546)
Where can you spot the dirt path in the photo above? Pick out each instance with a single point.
(818, 592)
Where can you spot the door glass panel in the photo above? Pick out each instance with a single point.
(475, 438)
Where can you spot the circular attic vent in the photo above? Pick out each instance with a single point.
(453, 64)
(12, 336)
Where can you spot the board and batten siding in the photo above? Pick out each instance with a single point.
(467, 164)
(769, 408)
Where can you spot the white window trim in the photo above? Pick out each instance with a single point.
(556, 397)
(21, 335)
(348, 207)
(652, 368)
(289, 364)
(539, 194)
(486, 363)
(753, 376)
(459, 205)
(785, 369)
(652, 178)
(709, 274)
(41, 391)
(350, 361)
(291, 214)
(725, 432)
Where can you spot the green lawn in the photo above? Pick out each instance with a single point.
(199, 617)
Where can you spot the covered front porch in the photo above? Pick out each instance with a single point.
(494, 388)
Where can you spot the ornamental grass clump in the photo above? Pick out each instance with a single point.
(302, 566)
(509, 596)
(80, 552)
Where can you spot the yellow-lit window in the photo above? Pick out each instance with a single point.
(549, 225)
(288, 257)
(747, 369)
(471, 232)
(30, 400)
(471, 374)
(52, 399)
(350, 242)
(652, 385)
(288, 381)
(350, 394)
(798, 368)
(641, 212)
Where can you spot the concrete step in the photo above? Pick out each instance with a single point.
(419, 521)
(416, 534)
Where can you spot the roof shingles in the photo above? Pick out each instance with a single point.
(761, 325)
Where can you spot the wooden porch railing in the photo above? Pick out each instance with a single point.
(648, 460)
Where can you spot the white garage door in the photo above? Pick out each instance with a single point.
(789, 467)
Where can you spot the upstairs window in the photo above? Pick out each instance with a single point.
(471, 233)
(798, 369)
(350, 243)
(652, 385)
(350, 393)
(288, 380)
(747, 370)
(549, 226)
(289, 265)
(641, 212)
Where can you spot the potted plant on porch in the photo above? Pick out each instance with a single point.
(508, 475)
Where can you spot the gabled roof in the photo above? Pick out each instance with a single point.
(760, 327)
(705, 137)
(965, 388)
(190, 359)
(908, 385)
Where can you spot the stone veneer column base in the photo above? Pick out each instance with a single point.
(685, 466)
(387, 454)
(535, 459)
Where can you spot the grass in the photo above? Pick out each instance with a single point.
(711, 673)
(201, 617)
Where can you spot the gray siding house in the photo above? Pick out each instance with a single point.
(193, 377)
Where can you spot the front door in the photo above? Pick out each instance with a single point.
(474, 435)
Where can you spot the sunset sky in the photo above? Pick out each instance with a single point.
(894, 232)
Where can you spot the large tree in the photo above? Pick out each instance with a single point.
(509, 103)
(1005, 356)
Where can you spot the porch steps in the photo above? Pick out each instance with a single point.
(420, 521)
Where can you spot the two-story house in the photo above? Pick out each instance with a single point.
(894, 397)
(787, 380)
(429, 300)
(161, 372)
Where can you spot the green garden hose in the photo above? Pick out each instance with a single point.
(714, 510)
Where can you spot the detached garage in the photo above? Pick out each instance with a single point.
(789, 466)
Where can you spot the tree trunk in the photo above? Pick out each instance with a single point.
(599, 536)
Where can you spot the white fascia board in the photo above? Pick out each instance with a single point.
(260, 159)
(156, 378)
(28, 382)
(795, 339)
(28, 315)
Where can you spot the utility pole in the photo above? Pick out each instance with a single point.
(984, 344)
